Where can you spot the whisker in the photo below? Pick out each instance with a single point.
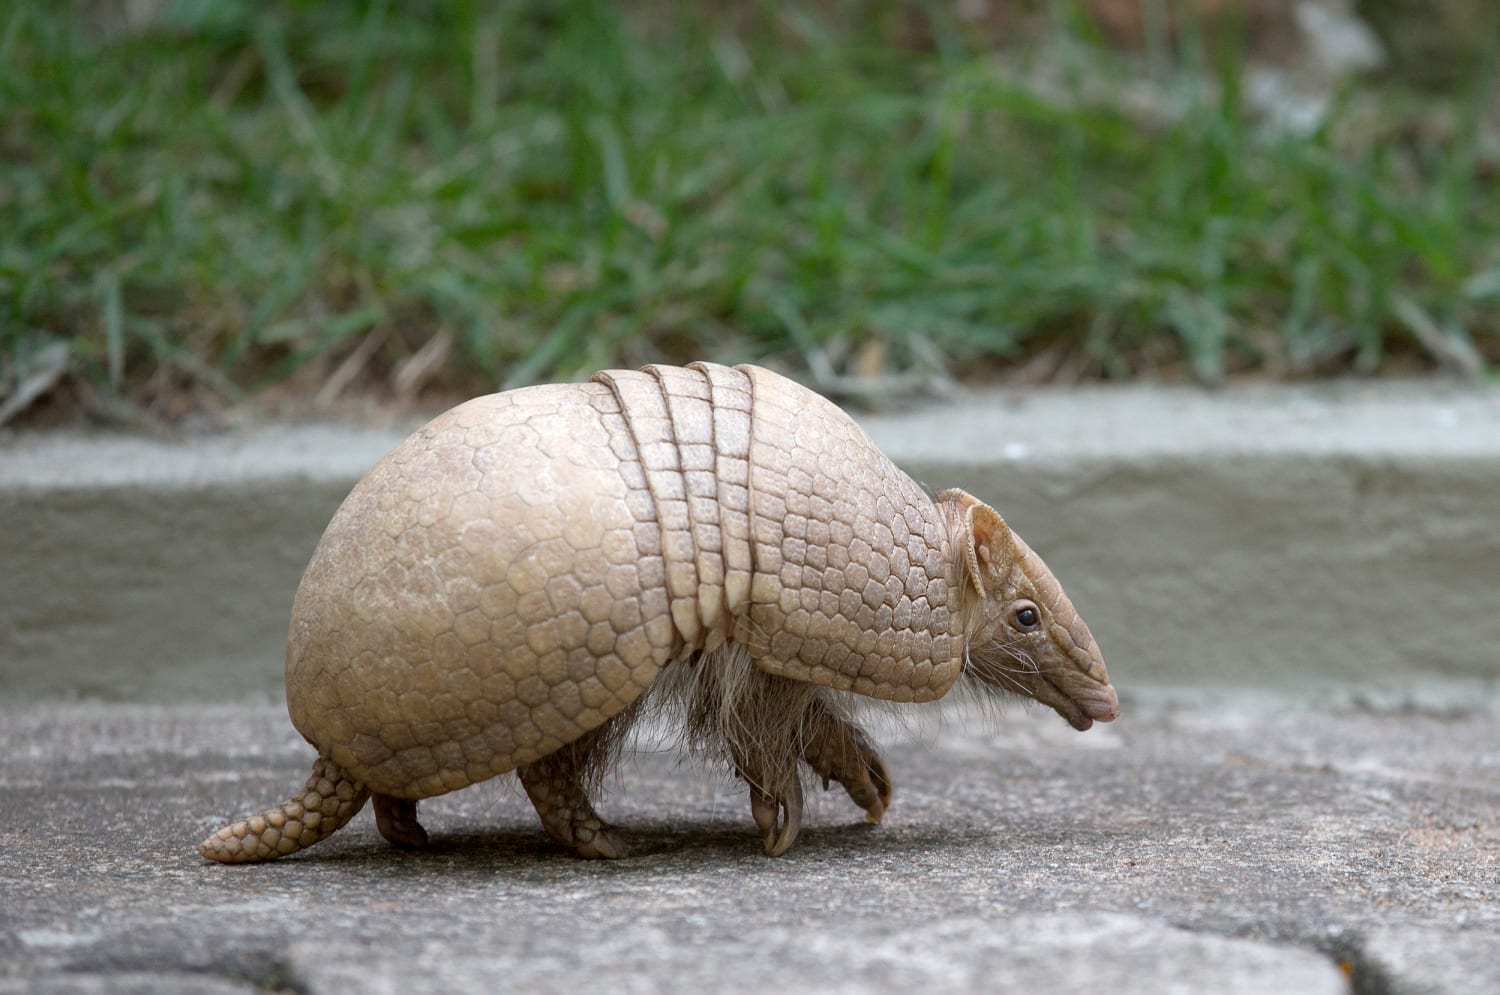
(1001, 674)
(1020, 660)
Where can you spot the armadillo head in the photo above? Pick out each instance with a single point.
(1023, 634)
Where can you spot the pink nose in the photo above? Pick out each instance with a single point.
(1100, 703)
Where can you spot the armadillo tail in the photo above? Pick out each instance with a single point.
(329, 799)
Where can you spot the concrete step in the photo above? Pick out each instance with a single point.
(1337, 544)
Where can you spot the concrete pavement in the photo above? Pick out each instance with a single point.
(1176, 851)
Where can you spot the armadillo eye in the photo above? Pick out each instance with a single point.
(1027, 618)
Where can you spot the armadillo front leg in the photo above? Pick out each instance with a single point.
(555, 785)
(762, 733)
(837, 749)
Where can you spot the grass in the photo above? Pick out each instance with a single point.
(449, 196)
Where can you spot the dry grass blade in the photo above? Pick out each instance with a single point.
(36, 373)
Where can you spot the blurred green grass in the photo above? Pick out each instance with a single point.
(452, 196)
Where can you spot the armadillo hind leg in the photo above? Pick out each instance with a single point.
(557, 785)
(562, 804)
(837, 749)
(396, 818)
(329, 799)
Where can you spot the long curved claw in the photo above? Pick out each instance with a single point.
(865, 777)
(874, 793)
(843, 752)
(766, 810)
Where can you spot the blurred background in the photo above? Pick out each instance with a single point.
(308, 205)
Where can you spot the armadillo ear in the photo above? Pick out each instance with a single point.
(986, 537)
(990, 530)
(991, 539)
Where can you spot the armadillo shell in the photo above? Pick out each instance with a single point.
(520, 569)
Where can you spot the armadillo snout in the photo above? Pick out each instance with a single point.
(1099, 702)
(1089, 686)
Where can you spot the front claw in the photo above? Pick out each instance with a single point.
(844, 753)
(871, 788)
(766, 810)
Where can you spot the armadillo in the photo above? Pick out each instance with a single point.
(535, 570)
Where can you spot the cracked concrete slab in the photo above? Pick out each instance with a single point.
(1230, 851)
(1058, 953)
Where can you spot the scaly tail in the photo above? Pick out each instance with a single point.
(329, 799)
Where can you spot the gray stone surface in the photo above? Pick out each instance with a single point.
(125, 983)
(1048, 953)
(1407, 961)
(1175, 850)
(1325, 543)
